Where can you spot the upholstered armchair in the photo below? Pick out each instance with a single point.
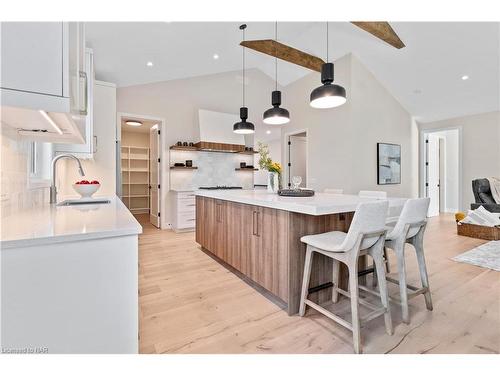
(483, 196)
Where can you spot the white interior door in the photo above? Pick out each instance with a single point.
(433, 167)
(154, 177)
(297, 158)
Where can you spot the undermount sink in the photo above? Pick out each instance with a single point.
(78, 202)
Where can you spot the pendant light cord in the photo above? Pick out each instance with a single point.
(276, 55)
(327, 42)
(243, 68)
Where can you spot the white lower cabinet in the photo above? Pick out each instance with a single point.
(184, 204)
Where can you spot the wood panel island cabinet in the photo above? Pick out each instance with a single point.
(257, 235)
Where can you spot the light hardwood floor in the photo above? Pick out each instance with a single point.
(191, 304)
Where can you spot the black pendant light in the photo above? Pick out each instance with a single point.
(276, 115)
(243, 127)
(328, 95)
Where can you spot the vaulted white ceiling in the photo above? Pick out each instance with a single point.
(425, 76)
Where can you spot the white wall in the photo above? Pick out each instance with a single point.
(342, 142)
(480, 144)
(179, 102)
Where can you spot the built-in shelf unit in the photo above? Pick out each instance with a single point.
(135, 178)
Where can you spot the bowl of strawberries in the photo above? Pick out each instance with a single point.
(86, 188)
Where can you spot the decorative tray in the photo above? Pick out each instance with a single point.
(296, 193)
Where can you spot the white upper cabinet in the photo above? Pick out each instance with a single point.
(43, 69)
(32, 57)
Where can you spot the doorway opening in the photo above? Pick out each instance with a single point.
(138, 168)
(296, 154)
(442, 174)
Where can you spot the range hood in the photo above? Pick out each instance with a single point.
(216, 133)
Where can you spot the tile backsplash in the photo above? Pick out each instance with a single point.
(15, 192)
(214, 168)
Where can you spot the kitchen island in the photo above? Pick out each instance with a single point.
(69, 279)
(257, 234)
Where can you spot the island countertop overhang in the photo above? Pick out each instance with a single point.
(319, 204)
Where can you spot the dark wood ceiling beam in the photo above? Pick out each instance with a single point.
(284, 52)
(381, 30)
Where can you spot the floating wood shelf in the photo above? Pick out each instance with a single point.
(246, 169)
(183, 167)
(215, 147)
(184, 148)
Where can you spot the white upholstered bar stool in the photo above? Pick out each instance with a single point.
(333, 191)
(366, 235)
(410, 228)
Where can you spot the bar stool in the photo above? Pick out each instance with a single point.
(366, 235)
(410, 228)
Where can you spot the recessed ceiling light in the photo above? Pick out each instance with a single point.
(216, 57)
(149, 63)
(133, 123)
(465, 78)
(268, 132)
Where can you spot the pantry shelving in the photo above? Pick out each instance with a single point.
(135, 178)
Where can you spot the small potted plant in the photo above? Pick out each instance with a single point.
(274, 169)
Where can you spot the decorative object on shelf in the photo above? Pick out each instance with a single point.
(296, 192)
(189, 163)
(243, 164)
(179, 165)
(328, 95)
(185, 144)
(179, 143)
(191, 144)
(296, 181)
(274, 169)
(243, 127)
(276, 115)
(388, 164)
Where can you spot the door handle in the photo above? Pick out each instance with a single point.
(255, 223)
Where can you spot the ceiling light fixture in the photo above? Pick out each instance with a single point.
(276, 115)
(465, 78)
(216, 57)
(46, 116)
(328, 95)
(243, 127)
(149, 63)
(268, 132)
(133, 123)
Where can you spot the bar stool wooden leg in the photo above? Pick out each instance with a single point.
(356, 326)
(335, 280)
(384, 295)
(400, 255)
(305, 280)
(419, 249)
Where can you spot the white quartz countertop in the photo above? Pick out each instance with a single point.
(50, 224)
(319, 204)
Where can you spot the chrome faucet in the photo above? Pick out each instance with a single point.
(53, 190)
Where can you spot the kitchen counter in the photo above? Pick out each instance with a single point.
(257, 234)
(70, 279)
(319, 204)
(51, 224)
